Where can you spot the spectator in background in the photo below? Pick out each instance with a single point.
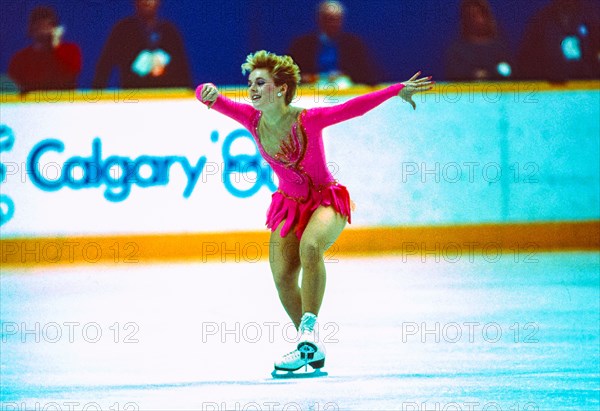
(48, 63)
(562, 42)
(479, 52)
(331, 54)
(147, 51)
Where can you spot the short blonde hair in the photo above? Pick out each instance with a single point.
(282, 68)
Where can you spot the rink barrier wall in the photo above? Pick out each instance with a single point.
(429, 243)
(541, 139)
(310, 91)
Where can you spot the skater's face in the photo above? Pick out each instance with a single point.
(262, 89)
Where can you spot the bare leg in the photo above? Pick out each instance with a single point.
(324, 227)
(285, 266)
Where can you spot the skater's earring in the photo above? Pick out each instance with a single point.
(279, 94)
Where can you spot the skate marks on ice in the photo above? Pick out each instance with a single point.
(175, 365)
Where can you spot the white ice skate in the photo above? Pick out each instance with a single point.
(296, 365)
(309, 352)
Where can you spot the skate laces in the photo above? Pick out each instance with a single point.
(292, 355)
(307, 324)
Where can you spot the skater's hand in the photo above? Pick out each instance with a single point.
(209, 93)
(415, 85)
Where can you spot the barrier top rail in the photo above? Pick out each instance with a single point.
(134, 95)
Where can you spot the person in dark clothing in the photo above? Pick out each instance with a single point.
(332, 53)
(562, 42)
(479, 52)
(147, 51)
(48, 63)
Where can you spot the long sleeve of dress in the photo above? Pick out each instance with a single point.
(355, 107)
(242, 113)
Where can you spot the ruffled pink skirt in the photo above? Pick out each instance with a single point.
(297, 211)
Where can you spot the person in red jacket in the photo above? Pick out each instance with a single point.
(48, 63)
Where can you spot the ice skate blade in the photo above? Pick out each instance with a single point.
(298, 374)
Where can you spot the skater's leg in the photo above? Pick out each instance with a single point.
(324, 227)
(284, 259)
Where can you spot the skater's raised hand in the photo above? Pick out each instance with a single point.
(209, 93)
(415, 85)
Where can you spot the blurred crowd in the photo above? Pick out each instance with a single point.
(561, 42)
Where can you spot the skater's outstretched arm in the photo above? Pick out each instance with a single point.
(209, 95)
(327, 116)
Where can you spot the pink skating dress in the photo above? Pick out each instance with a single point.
(305, 182)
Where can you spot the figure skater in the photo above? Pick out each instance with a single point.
(310, 208)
